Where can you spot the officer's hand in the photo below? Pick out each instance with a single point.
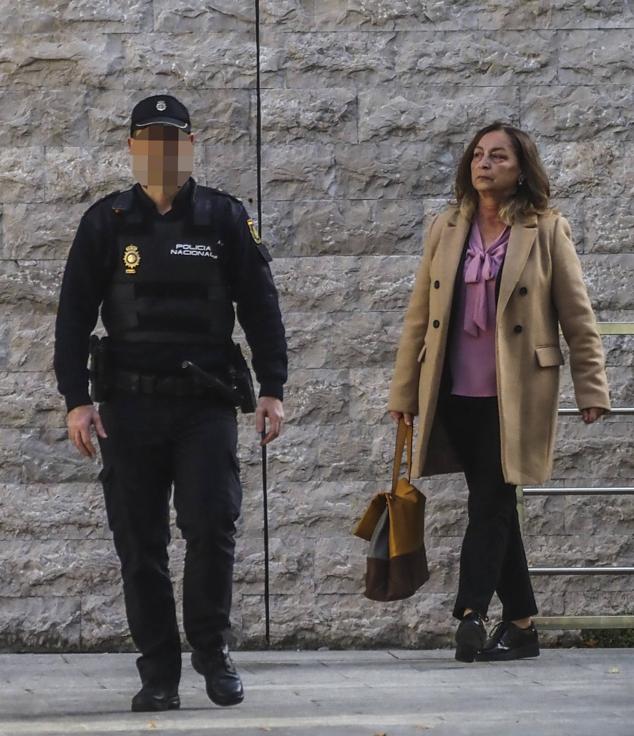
(270, 407)
(79, 421)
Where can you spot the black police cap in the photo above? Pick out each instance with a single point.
(160, 110)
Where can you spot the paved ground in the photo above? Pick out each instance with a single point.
(390, 693)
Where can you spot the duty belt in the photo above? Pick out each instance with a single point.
(146, 384)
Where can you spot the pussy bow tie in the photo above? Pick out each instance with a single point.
(481, 266)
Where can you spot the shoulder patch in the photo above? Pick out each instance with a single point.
(255, 235)
(254, 231)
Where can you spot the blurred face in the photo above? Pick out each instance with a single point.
(162, 156)
(494, 166)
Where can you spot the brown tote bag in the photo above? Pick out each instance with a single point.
(394, 524)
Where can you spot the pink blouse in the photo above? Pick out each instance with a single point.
(472, 341)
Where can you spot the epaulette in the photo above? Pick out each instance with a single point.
(123, 206)
(101, 201)
(203, 203)
(225, 194)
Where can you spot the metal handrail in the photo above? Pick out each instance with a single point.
(623, 491)
(581, 570)
(625, 411)
(584, 622)
(615, 328)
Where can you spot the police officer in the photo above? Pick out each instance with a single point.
(166, 261)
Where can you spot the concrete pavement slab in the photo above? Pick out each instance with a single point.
(329, 693)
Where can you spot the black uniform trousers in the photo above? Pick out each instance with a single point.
(492, 559)
(155, 442)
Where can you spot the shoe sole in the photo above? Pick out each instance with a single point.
(468, 643)
(171, 704)
(525, 652)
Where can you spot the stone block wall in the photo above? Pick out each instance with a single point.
(367, 105)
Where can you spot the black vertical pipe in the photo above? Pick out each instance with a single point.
(258, 153)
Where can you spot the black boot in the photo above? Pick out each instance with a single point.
(156, 697)
(470, 637)
(224, 686)
(508, 641)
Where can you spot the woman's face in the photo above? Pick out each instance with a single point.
(494, 166)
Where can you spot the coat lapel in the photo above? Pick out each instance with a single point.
(452, 247)
(523, 234)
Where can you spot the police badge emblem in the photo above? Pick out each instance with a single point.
(131, 258)
(161, 106)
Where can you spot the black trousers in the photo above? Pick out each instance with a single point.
(492, 559)
(155, 442)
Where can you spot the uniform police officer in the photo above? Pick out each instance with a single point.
(166, 261)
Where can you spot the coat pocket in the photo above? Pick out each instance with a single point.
(421, 355)
(549, 355)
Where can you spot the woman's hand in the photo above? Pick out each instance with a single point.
(592, 414)
(398, 415)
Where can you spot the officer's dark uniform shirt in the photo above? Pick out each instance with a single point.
(205, 256)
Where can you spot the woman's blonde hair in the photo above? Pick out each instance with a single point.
(532, 194)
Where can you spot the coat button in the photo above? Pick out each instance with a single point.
(517, 329)
(436, 323)
(436, 284)
(523, 291)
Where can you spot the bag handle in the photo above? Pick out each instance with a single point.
(404, 437)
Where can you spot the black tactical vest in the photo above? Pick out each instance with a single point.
(168, 284)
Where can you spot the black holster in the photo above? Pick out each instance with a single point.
(100, 368)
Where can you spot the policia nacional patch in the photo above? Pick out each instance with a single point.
(255, 235)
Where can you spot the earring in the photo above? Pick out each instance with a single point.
(520, 180)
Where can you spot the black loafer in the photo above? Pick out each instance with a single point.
(154, 698)
(224, 686)
(470, 637)
(508, 641)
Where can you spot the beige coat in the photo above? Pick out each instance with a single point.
(541, 287)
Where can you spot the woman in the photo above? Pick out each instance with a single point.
(478, 361)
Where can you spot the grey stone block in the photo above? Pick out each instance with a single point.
(595, 57)
(63, 110)
(39, 232)
(344, 227)
(476, 58)
(218, 116)
(62, 59)
(30, 399)
(22, 173)
(104, 626)
(69, 511)
(573, 113)
(609, 224)
(288, 14)
(228, 60)
(34, 623)
(43, 16)
(585, 167)
(179, 16)
(296, 115)
(319, 60)
(471, 14)
(57, 568)
(439, 115)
